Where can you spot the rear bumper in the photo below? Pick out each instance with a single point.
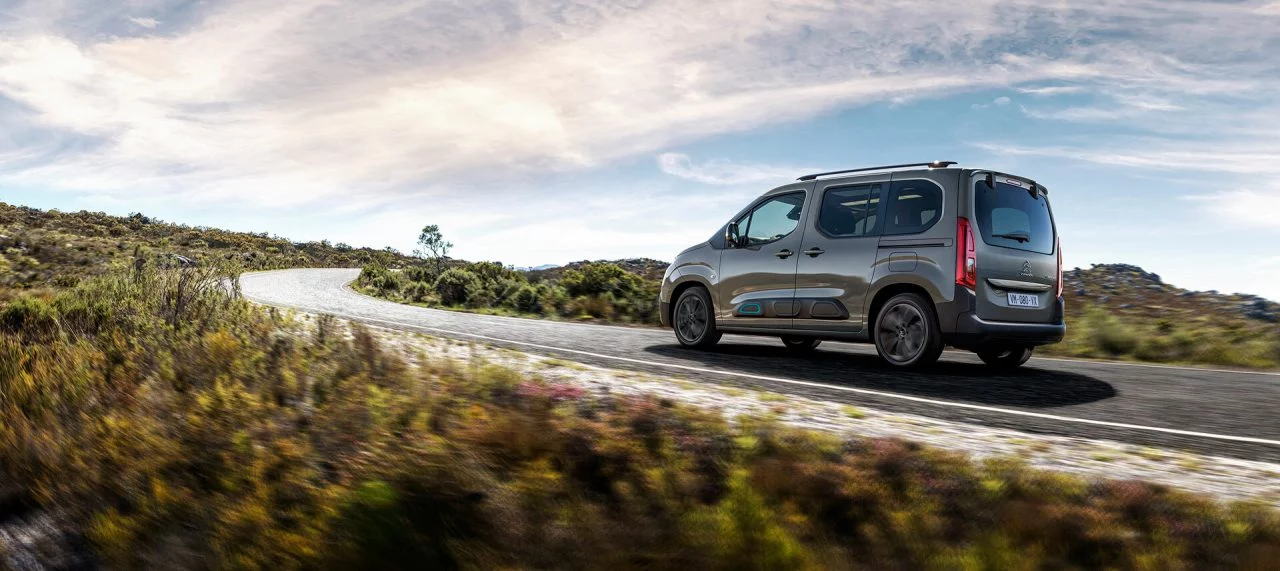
(664, 313)
(973, 332)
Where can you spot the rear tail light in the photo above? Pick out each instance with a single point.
(966, 255)
(1060, 284)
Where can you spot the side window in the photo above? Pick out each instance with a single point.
(914, 206)
(850, 211)
(772, 219)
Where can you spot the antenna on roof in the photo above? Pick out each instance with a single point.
(932, 165)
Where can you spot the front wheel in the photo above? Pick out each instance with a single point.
(906, 332)
(1005, 357)
(694, 320)
(801, 344)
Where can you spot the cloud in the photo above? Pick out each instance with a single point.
(299, 102)
(1245, 207)
(1050, 91)
(721, 171)
(1240, 158)
(1246, 168)
(998, 102)
(148, 23)
(1119, 105)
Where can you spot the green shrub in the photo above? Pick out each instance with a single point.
(1109, 335)
(598, 278)
(427, 274)
(419, 292)
(493, 272)
(30, 317)
(527, 299)
(1164, 348)
(1219, 351)
(749, 535)
(456, 286)
(596, 306)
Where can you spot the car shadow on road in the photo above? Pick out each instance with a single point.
(965, 382)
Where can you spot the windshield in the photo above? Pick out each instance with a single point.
(1009, 216)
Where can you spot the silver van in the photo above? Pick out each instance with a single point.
(909, 257)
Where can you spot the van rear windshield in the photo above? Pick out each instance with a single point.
(1009, 216)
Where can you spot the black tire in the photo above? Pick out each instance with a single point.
(906, 332)
(801, 344)
(694, 320)
(1005, 357)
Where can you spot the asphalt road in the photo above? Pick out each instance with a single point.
(1219, 412)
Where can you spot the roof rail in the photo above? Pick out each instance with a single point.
(932, 165)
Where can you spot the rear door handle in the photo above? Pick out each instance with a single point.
(784, 254)
(814, 252)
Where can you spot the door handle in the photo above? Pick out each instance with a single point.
(814, 252)
(784, 254)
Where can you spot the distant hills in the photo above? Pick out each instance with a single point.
(1129, 290)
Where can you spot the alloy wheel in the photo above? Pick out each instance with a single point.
(902, 332)
(691, 319)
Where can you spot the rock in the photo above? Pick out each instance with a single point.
(1261, 310)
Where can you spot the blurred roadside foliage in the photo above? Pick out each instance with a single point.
(177, 426)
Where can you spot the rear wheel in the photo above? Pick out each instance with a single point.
(693, 319)
(1005, 357)
(801, 344)
(906, 332)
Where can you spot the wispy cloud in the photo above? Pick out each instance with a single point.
(998, 102)
(1246, 192)
(722, 171)
(1117, 105)
(148, 23)
(1050, 91)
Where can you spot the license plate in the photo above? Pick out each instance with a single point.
(1023, 300)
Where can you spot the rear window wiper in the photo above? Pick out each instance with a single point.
(1021, 237)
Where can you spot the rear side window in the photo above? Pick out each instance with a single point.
(850, 211)
(1009, 216)
(914, 206)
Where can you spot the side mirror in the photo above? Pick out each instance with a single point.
(731, 237)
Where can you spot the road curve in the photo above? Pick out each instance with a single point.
(1219, 412)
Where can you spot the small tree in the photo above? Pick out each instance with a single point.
(432, 245)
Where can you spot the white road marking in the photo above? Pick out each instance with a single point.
(810, 384)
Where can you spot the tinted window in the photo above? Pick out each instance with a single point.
(772, 219)
(914, 206)
(1010, 216)
(850, 211)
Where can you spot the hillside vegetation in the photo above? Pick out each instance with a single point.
(618, 292)
(1121, 311)
(162, 422)
(41, 248)
(1114, 311)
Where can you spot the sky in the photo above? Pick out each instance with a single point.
(550, 131)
